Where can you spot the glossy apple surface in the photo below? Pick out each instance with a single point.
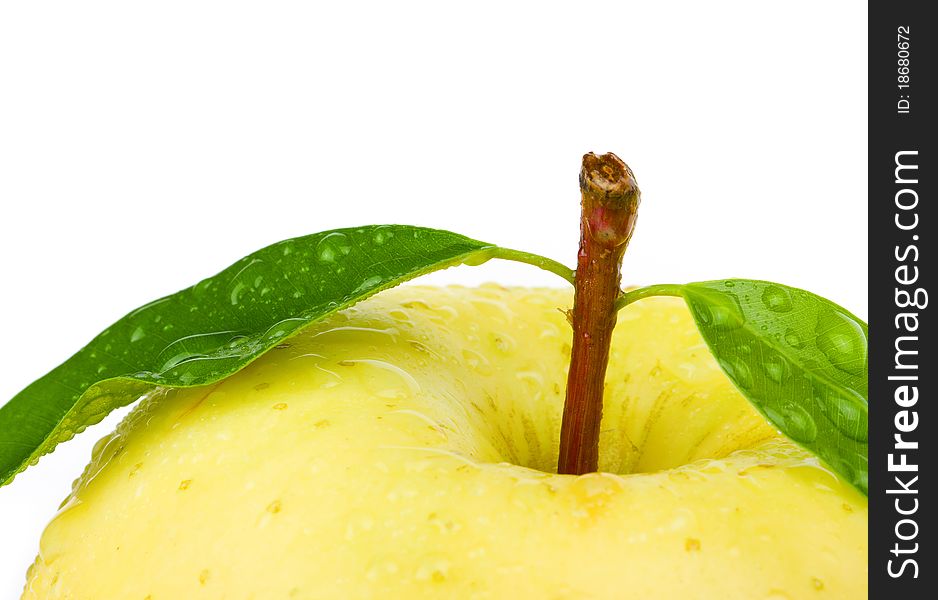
(404, 449)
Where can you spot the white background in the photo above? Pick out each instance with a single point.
(144, 146)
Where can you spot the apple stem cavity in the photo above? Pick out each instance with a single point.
(610, 199)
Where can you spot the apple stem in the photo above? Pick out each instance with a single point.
(610, 199)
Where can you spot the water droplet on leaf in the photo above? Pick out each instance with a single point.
(738, 371)
(720, 311)
(843, 341)
(775, 366)
(381, 235)
(332, 247)
(236, 292)
(793, 339)
(776, 299)
(845, 409)
(794, 421)
(367, 284)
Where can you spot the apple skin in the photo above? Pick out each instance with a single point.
(404, 449)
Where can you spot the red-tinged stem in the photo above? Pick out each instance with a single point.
(610, 199)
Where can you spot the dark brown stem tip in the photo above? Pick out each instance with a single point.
(607, 176)
(610, 198)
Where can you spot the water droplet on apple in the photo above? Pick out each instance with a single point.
(503, 342)
(99, 447)
(386, 378)
(477, 362)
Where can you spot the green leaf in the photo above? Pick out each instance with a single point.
(216, 327)
(799, 359)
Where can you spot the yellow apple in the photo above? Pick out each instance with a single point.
(407, 448)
